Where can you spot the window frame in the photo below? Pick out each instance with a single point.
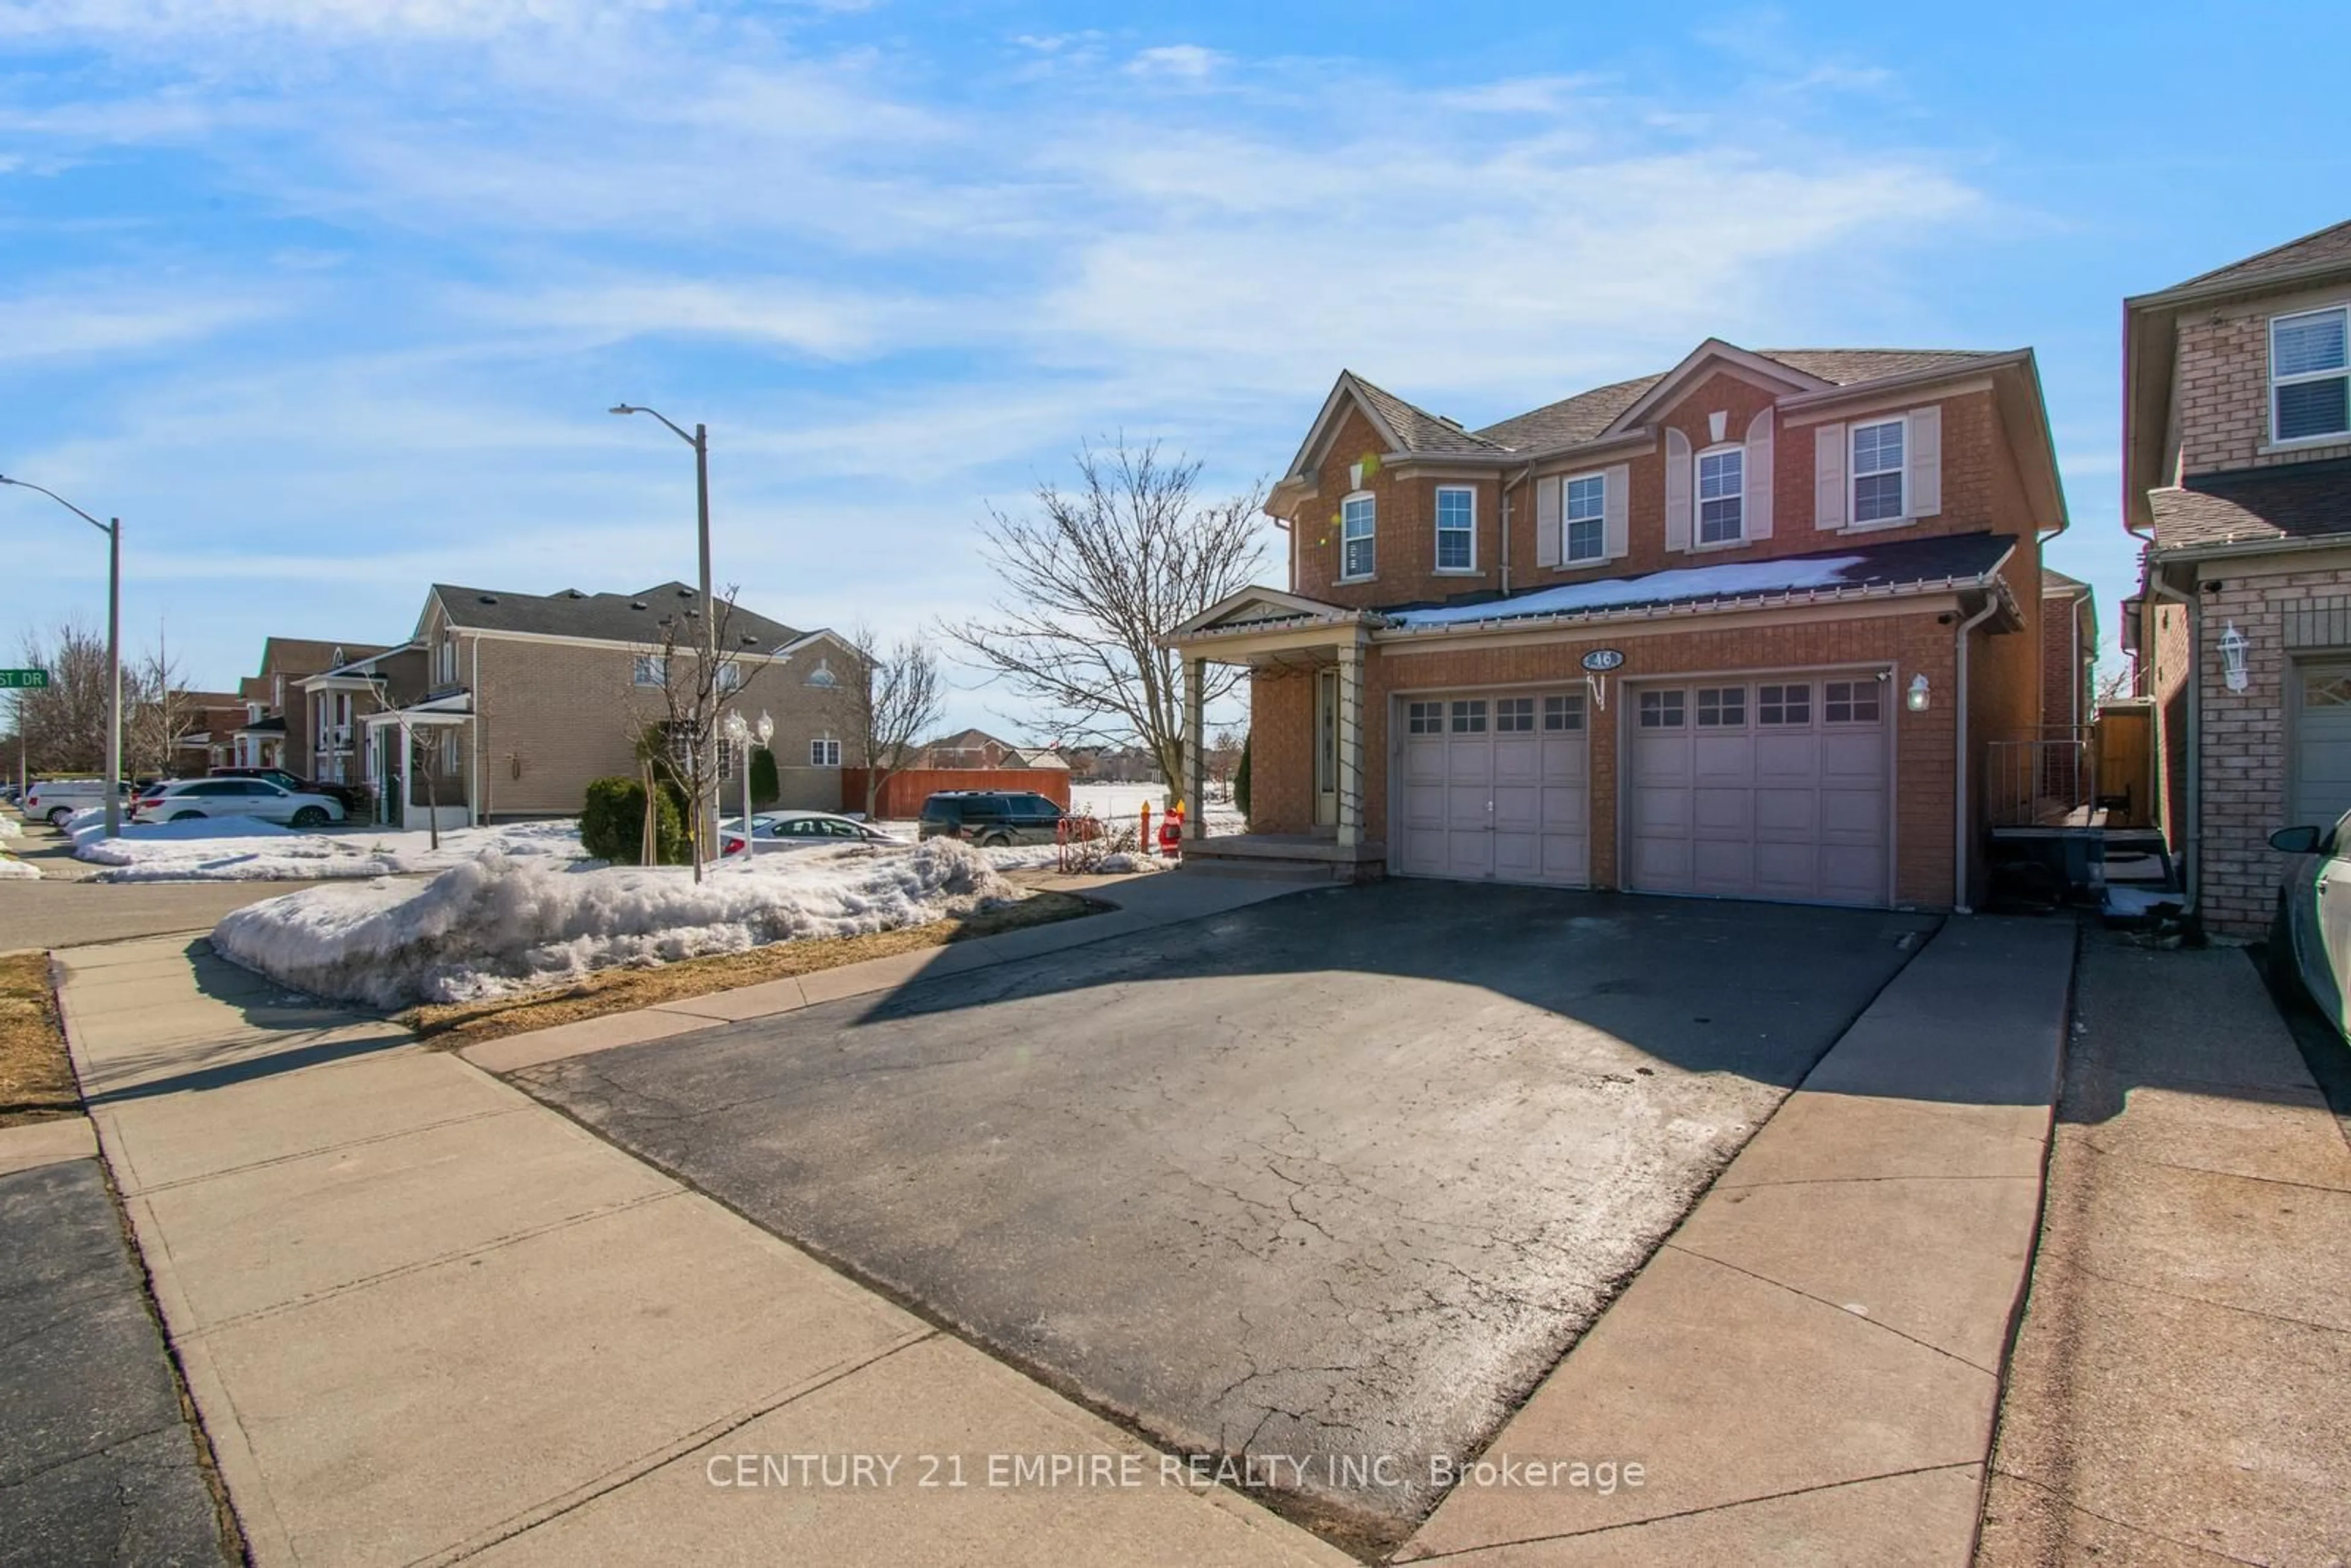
(1732, 450)
(1371, 536)
(2305, 378)
(1568, 555)
(1854, 476)
(824, 751)
(657, 663)
(1439, 531)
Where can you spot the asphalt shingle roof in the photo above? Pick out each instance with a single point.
(309, 655)
(1872, 564)
(2329, 245)
(606, 617)
(1419, 430)
(2301, 500)
(1572, 421)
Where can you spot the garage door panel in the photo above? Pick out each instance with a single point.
(1762, 807)
(1566, 858)
(1716, 811)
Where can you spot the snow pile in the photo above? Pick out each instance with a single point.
(10, 828)
(12, 869)
(247, 849)
(498, 924)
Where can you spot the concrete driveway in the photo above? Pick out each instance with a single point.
(1321, 1180)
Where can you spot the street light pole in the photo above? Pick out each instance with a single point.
(705, 812)
(112, 529)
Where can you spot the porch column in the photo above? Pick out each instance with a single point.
(407, 785)
(1351, 744)
(1196, 750)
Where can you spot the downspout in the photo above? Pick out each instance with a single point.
(2192, 835)
(1963, 819)
(478, 795)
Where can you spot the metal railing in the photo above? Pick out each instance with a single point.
(2045, 780)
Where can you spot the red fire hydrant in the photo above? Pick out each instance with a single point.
(1171, 832)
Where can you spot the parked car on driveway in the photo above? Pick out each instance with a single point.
(189, 799)
(803, 829)
(990, 817)
(2309, 948)
(56, 799)
(349, 795)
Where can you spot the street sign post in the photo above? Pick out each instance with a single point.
(23, 680)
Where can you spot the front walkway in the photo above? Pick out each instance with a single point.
(2179, 1393)
(426, 1319)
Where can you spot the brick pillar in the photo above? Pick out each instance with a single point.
(1351, 744)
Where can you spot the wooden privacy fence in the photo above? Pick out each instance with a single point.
(903, 793)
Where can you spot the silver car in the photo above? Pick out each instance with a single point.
(802, 829)
(193, 798)
(2309, 946)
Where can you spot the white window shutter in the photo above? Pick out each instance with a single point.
(1925, 480)
(1615, 512)
(1828, 476)
(1547, 528)
(1759, 476)
(1678, 490)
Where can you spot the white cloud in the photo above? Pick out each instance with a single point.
(1185, 60)
(67, 324)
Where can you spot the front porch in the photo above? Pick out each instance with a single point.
(1320, 829)
(412, 753)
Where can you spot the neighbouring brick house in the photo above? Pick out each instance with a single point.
(279, 733)
(2237, 471)
(1742, 629)
(214, 719)
(526, 698)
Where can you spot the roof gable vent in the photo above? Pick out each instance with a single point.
(488, 598)
(636, 604)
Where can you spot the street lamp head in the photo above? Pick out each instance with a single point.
(621, 408)
(765, 728)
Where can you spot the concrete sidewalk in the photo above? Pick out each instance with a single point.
(2178, 1393)
(426, 1320)
(1808, 1370)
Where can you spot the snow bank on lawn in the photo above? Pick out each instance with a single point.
(10, 828)
(245, 848)
(18, 870)
(497, 925)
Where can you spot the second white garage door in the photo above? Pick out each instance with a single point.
(1496, 786)
(1771, 788)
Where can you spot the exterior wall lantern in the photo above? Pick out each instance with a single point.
(2233, 646)
(1916, 699)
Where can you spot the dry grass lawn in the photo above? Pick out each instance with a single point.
(453, 1025)
(36, 1082)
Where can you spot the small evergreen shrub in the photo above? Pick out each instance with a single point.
(1241, 779)
(612, 823)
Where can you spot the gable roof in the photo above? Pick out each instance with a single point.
(2054, 582)
(309, 655)
(2298, 501)
(1417, 429)
(631, 618)
(2321, 252)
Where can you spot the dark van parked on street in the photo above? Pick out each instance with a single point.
(991, 817)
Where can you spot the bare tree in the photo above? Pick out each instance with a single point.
(891, 699)
(158, 710)
(694, 692)
(1092, 582)
(2119, 684)
(64, 722)
(1224, 756)
(424, 757)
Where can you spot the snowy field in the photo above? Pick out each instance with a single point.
(496, 926)
(244, 849)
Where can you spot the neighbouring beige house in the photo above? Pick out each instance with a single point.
(2237, 471)
(523, 698)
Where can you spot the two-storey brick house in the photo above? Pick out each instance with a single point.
(2237, 471)
(526, 698)
(1739, 629)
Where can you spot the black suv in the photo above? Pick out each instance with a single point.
(990, 817)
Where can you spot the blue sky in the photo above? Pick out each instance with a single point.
(327, 298)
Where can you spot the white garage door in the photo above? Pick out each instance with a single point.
(1770, 787)
(2321, 743)
(1496, 786)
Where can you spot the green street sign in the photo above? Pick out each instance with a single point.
(14, 680)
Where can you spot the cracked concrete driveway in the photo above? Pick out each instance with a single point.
(1341, 1173)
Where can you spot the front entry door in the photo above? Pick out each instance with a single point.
(1326, 747)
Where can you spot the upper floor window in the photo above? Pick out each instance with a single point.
(730, 677)
(1457, 528)
(824, 751)
(1877, 471)
(1587, 518)
(1721, 495)
(651, 670)
(448, 658)
(1357, 518)
(2310, 375)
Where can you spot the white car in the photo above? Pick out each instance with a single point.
(802, 830)
(55, 799)
(193, 798)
